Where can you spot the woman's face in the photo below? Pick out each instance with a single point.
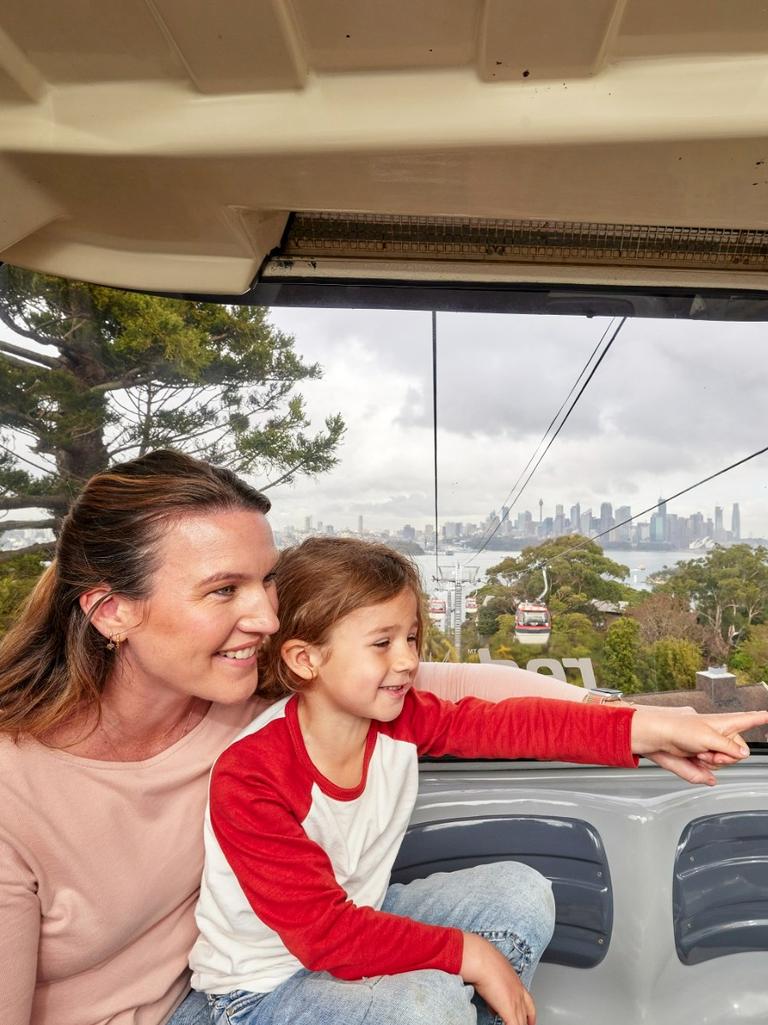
(211, 605)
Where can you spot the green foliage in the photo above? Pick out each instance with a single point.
(671, 663)
(489, 611)
(17, 578)
(114, 374)
(621, 656)
(727, 589)
(751, 658)
(573, 636)
(437, 645)
(578, 572)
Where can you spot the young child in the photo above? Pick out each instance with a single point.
(298, 922)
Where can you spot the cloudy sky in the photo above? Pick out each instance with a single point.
(671, 403)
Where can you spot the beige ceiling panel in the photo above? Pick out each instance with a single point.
(652, 28)
(19, 78)
(546, 39)
(90, 40)
(237, 46)
(345, 35)
(264, 228)
(30, 210)
(159, 272)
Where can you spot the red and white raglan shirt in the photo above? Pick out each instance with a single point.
(296, 868)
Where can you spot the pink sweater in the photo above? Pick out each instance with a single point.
(100, 865)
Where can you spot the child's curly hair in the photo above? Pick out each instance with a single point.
(320, 582)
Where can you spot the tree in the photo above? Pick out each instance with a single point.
(91, 375)
(437, 645)
(17, 578)
(671, 664)
(621, 653)
(573, 636)
(751, 657)
(727, 590)
(578, 573)
(663, 615)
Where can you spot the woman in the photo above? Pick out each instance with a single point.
(132, 666)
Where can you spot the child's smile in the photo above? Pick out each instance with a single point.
(369, 662)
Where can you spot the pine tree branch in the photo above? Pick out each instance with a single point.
(6, 525)
(126, 382)
(23, 459)
(44, 547)
(34, 357)
(58, 502)
(32, 425)
(288, 473)
(16, 362)
(26, 332)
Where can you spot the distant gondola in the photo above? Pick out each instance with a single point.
(533, 623)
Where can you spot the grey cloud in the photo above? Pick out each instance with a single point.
(671, 402)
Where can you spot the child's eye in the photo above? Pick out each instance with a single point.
(381, 644)
(412, 639)
(269, 578)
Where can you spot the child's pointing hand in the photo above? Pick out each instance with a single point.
(694, 736)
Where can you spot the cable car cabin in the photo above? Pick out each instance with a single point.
(532, 623)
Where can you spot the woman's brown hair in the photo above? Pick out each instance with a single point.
(318, 583)
(52, 661)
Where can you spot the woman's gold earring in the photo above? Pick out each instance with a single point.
(114, 643)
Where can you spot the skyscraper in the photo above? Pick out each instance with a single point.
(718, 528)
(736, 522)
(559, 523)
(623, 533)
(606, 516)
(659, 522)
(575, 516)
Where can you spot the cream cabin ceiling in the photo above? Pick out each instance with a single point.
(163, 144)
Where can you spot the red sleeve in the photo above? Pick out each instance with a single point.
(540, 728)
(289, 882)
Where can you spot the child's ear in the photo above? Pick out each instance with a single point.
(302, 658)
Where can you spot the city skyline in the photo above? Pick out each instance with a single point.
(662, 528)
(672, 403)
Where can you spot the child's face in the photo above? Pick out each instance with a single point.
(370, 661)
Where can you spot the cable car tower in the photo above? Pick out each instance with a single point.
(456, 580)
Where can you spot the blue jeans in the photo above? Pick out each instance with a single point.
(192, 1011)
(508, 903)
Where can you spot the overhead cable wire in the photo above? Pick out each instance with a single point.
(434, 428)
(560, 426)
(662, 501)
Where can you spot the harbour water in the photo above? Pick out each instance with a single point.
(642, 564)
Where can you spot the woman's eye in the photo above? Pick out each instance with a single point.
(269, 579)
(413, 639)
(227, 591)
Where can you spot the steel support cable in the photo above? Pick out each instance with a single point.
(651, 508)
(562, 424)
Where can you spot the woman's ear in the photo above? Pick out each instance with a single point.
(302, 658)
(111, 614)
